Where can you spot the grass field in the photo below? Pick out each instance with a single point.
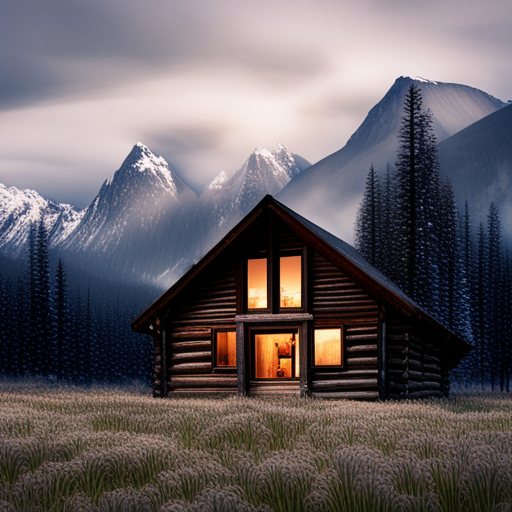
(68, 449)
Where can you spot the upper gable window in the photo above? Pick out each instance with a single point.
(290, 281)
(257, 283)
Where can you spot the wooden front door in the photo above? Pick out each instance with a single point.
(275, 365)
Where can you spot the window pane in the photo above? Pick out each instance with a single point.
(291, 281)
(274, 356)
(327, 347)
(257, 283)
(226, 348)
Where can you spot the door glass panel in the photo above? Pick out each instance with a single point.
(276, 356)
(226, 348)
(327, 347)
(257, 283)
(290, 278)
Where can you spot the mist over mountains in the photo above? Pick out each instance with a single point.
(145, 225)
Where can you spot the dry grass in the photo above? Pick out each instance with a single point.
(69, 449)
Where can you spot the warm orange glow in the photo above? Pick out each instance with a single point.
(257, 283)
(327, 347)
(226, 348)
(275, 354)
(291, 281)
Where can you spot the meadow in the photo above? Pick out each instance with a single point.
(66, 449)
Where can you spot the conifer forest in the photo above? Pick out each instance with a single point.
(51, 329)
(411, 228)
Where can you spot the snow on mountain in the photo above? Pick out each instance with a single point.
(328, 193)
(226, 200)
(478, 161)
(130, 226)
(20, 208)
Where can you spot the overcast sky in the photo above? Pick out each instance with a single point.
(203, 82)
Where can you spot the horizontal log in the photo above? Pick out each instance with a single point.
(205, 382)
(191, 355)
(191, 367)
(352, 395)
(362, 348)
(208, 305)
(422, 375)
(423, 385)
(360, 328)
(192, 333)
(185, 346)
(399, 362)
(178, 393)
(362, 361)
(345, 374)
(360, 337)
(349, 309)
(346, 383)
(432, 367)
(296, 317)
(211, 316)
(331, 286)
(207, 321)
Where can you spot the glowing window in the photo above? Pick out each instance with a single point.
(257, 283)
(290, 281)
(226, 348)
(327, 347)
(276, 356)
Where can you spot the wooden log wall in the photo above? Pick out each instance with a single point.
(339, 301)
(415, 368)
(208, 304)
(158, 387)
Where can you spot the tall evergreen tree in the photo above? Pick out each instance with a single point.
(368, 221)
(494, 277)
(61, 321)
(418, 192)
(479, 307)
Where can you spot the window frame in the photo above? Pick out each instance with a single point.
(274, 281)
(278, 329)
(260, 256)
(339, 327)
(215, 366)
(303, 275)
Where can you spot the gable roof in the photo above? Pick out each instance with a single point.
(337, 251)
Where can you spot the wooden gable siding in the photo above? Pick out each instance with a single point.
(210, 303)
(339, 301)
(414, 364)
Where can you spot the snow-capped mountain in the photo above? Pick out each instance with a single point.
(145, 223)
(131, 227)
(20, 208)
(478, 160)
(329, 191)
(226, 200)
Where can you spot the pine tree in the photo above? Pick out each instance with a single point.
(479, 307)
(45, 335)
(368, 221)
(494, 277)
(448, 296)
(418, 192)
(61, 321)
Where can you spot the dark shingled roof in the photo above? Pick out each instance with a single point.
(330, 246)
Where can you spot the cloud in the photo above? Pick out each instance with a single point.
(203, 82)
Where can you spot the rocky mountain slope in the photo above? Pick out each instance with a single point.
(328, 193)
(20, 208)
(478, 161)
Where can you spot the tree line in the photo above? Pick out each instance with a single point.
(409, 226)
(48, 328)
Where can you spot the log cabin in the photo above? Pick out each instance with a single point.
(281, 306)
